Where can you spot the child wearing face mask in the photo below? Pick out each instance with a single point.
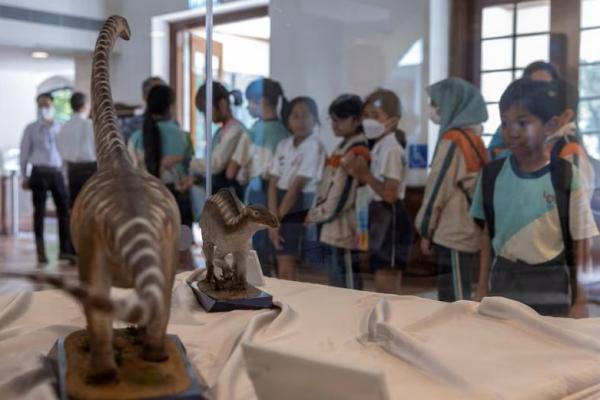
(255, 151)
(295, 171)
(443, 220)
(335, 208)
(537, 217)
(390, 233)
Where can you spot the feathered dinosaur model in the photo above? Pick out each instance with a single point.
(227, 227)
(125, 226)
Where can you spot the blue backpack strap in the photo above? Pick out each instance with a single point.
(562, 175)
(489, 174)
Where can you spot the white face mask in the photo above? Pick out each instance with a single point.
(373, 128)
(434, 116)
(46, 113)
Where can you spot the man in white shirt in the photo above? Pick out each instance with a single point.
(39, 149)
(76, 146)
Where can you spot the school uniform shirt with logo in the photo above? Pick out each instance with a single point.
(388, 160)
(255, 151)
(527, 225)
(224, 144)
(305, 160)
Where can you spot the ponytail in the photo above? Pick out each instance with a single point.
(159, 102)
(271, 91)
(152, 145)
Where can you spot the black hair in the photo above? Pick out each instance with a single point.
(542, 99)
(541, 66)
(159, 102)
(310, 104)
(270, 90)
(219, 93)
(46, 95)
(149, 82)
(78, 100)
(346, 105)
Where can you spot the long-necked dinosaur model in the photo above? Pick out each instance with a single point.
(125, 227)
(227, 227)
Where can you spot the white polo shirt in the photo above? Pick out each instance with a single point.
(388, 160)
(304, 160)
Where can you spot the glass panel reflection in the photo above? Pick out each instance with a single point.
(493, 84)
(533, 17)
(497, 21)
(532, 48)
(496, 54)
(590, 13)
(590, 40)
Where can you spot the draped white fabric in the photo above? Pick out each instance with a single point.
(498, 349)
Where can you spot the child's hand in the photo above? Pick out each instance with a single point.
(426, 247)
(185, 184)
(356, 167)
(276, 238)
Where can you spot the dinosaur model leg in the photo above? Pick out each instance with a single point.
(209, 251)
(93, 271)
(154, 340)
(239, 264)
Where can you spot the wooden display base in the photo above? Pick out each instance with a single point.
(224, 300)
(173, 379)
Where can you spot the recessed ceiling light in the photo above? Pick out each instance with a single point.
(39, 54)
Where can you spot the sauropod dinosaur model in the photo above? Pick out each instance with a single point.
(227, 227)
(125, 226)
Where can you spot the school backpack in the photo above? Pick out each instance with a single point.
(561, 173)
(475, 156)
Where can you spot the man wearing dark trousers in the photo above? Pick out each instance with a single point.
(76, 146)
(38, 148)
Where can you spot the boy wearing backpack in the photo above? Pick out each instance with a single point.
(443, 220)
(537, 217)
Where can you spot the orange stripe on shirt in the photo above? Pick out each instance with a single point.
(571, 149)
(360, 151)
(472, 153)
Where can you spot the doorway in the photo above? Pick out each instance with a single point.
(240, 55)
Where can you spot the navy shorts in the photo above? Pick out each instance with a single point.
(292, 230)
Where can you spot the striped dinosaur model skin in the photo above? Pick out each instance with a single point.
(125, 227)
(227, 227)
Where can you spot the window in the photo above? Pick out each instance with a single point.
(62, 104)
(589, 76)
(513, 34)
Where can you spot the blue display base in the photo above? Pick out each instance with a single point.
(58, 358)
(255, 300)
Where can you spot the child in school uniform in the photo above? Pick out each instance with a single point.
(390, 233)
(537, 217)
(226, 138)
(255, 151)
(565, 142)
(335, 208)
(443, 220)
(295, 171)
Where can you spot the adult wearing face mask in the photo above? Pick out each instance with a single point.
(38, 148)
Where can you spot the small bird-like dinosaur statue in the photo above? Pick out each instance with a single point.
(227, 227)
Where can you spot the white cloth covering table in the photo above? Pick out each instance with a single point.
(498, 349)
